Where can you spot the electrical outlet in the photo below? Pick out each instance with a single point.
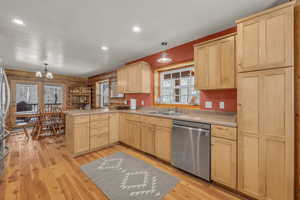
(142, 102)
(125, 102)
(208, 104)
(221, 105)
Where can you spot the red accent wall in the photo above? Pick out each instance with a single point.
(184, 53)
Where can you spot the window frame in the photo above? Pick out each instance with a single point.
(62, 93)
(157, 84)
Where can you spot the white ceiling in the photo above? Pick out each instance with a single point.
(69, 33)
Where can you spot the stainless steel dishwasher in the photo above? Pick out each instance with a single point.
(191, 147)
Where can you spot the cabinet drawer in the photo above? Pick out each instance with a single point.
(158, 121)
(98, 141)
(99, 117)
(99, 131)
(81, 119)
(224, 132)
(99, 124)
(133, 117)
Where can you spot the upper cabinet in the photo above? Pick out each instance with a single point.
(215, 64)
(134, 78)
(265, 40)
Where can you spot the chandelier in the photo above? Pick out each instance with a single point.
(46, 73)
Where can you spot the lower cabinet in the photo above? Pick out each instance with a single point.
(133, 134)
(148, 134)
(224, 161)
(81, 137)
(163, 143)
(148, 138)
(99, 131)
(77, 134)
(123, 136)
(114, 128)
(98, 141)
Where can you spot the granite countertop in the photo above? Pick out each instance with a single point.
(215, 118)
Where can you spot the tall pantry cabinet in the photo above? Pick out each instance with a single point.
(265, 85)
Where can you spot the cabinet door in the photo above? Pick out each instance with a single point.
(250, 180)
(266, 135)
(227, 60)
(122, 77)
(148, 138)
(134, 78)
(248, 103)
(98, 141)
(223, 161)
(113, 128)
(123, 127)
(214, 66)
(249, 143)
(266, 41)
(201, 67)
(277, 130)
(134, 134)
(278, 38)
(81, 137)
(163, 143)
(249, 45)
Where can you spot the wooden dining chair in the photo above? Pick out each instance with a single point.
(45, 123)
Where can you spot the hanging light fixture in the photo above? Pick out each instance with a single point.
(164, 56)
(46, 73)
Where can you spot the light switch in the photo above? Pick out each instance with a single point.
(221, 105)
(208, 104)
(142, 102)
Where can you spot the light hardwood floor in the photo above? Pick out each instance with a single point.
(45, 170)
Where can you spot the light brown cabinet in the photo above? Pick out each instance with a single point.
(122, 78)
(266, 40)
(81, 137)
(114, 128)
(224, 161)
(123, 128)
(266, 133)
(148, 134)
(224, 155)
(265, 54)
(148, 138)
(99, 131)
(134, 78)
(78, 134)
(132, 133)
(163, 143)
(215, 64)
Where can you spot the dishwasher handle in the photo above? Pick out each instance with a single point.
(193, 129)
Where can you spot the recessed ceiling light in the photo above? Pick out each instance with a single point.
(104, 48)
(18, 22)
(136, 29)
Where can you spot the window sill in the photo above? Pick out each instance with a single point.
(177, 106)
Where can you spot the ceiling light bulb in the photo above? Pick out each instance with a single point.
(38, 74)
(49, 75)
(18, 22)
(136, 29)
(104, 48)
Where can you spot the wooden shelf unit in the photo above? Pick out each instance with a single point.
(79, 97)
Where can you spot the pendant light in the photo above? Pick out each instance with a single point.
(46, 73)
(164, 56)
